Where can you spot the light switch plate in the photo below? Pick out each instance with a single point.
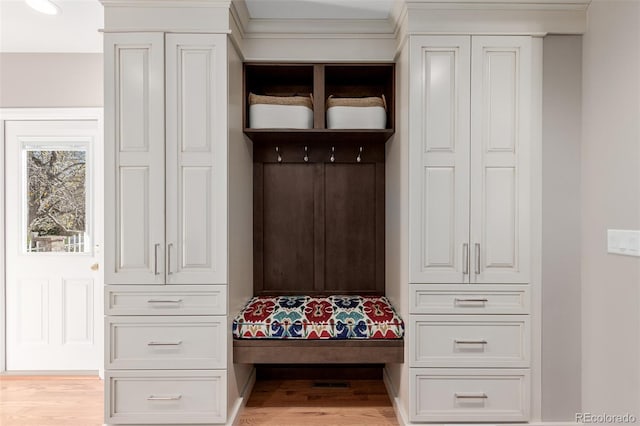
(620, 241)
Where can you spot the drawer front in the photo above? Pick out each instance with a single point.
(166, 342)
(165, 397)
(166, 300)
(461, 395)
(469, 299)
(470, 341)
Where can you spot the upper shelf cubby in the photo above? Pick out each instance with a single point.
(321, 81)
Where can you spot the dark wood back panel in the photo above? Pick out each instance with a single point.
(350, 257)
(288, 232)
(318, 226)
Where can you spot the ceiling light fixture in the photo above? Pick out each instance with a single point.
(44, 6)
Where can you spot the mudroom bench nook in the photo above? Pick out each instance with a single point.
(318, 205)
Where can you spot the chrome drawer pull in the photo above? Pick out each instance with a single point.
(164, 300)
(164, 398)
(178, 343)
(471, 396)
(456, 300)
(470, 342)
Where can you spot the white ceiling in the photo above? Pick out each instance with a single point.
(319, 9)
(76, 28)
(22, 29)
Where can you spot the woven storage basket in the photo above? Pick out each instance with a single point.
(356, 113)
(280, 112)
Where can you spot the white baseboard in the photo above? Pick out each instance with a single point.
(52, 373)
(401, 416)
(234, 417)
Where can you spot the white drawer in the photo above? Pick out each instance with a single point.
(469, 341)
(166, 342)
(462, 395)
(165, 397)
(469, 299)
(165, 300)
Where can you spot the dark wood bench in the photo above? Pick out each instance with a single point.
(298, 351)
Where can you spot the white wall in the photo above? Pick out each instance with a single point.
(397, 221)
(240, 223)
(610, 199)
(561, 293)
(51, 80)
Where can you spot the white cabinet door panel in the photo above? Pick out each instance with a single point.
(196, 159)
(439, 159)
(500, 139)
(166, 342)
(470, 341)
(166, 300)
(466, 299)
(166, 397)
(469, 395)
(134, 158)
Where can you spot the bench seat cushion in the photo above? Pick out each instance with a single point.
(327, 317)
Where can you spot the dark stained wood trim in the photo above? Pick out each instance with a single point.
(318, 97)
(270, 351)
(337, 136)
(258, 228)
(332, 372)
(318, 231)
(380, 228)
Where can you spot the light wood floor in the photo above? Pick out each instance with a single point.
(50, 401)
(298, 403)
(77, 401)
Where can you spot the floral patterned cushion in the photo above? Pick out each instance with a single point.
(305, 317)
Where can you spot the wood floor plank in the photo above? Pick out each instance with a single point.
(298, 402)
(50, 401)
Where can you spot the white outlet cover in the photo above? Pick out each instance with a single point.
(622, 241)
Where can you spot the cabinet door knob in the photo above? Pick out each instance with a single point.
(95, 267)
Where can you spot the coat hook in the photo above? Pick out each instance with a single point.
(333, 154)
(306, 154)
(279, 156)
(359, 157)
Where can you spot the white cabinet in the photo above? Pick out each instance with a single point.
(469, 180)
(165, 192)
(166, 397)
(469, 341)
(468, 395)
(177, 342)
(469, 228)
(166, 228)
(134, 158)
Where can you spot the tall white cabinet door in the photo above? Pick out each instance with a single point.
(500, 169)
(439, 159)
(134, 158)
(196, 164)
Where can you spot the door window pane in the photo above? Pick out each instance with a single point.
(56, 200)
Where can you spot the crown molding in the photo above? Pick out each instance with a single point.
(166, 3)
(406, 17)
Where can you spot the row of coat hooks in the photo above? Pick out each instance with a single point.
(305, 157)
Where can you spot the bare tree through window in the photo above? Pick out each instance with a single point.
(56, 197)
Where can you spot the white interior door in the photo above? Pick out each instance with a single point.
(54, 226)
